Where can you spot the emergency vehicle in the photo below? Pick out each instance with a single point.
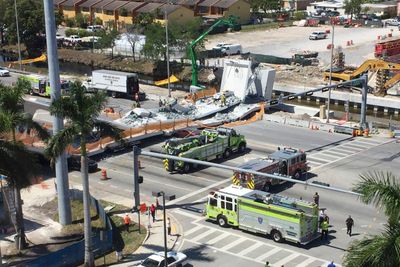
(282, 218)
(40, 85)
(288, 162)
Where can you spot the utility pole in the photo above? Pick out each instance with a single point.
(167, 53)
(165, 230)
(19, 41)
(64, 206)
(136, 193)
(330, 74)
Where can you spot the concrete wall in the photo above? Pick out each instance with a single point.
(240, 9)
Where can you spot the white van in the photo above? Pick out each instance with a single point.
(317, 35)
(231, 49)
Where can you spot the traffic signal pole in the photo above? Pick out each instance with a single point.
(136, 193)
(64, 206)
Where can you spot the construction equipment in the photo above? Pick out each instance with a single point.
(282, 218)
(288, 161)
(376, 65)
(387, 47)
(40, 85)
(210, 144)
(231, 22)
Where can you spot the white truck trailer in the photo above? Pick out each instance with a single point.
(116, 83)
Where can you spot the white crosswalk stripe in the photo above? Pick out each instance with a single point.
(251, 247)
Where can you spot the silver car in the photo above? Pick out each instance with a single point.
(4, 72)
(175, 259)
(317, 35)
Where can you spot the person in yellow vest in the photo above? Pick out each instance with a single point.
(324, 229)
(223, 99)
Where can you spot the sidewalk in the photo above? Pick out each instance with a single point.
(154, 241)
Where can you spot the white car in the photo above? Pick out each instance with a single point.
(4, 72)
(73, 39)
(176, 259)
(317, 35)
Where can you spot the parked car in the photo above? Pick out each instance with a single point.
(176, 259)
(317, 35)
(74, 163)
(94, 28)
(73, 39)
(392, 22)
(4, 72)
(231, 49)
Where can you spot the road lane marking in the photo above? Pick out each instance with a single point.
(268, 254)
(194, 229)
(233, 244)
(218, 238)
(204, 234)
(287, 259)
(306, 262)
(250, 249)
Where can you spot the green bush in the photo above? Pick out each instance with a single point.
(83, 33)
(299, 15)
(69, 32)
(98, 21)
(81, 21)
(69, 22)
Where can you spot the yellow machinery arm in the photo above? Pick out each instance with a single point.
(368, 65)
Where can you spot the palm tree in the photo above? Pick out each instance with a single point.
(383, 250)
(13, 153)
(81, 109)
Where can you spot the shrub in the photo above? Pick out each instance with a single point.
(69, 22)
(69, 32)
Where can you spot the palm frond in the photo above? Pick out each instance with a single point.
(380, 188)
(64, 107)
(18, 164)
(106, 129)
(95, 103)
(379, 251)
(33, 125)
(60, 141)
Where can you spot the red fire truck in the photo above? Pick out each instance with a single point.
(287, 161)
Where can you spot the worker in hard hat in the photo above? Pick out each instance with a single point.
(223, 100)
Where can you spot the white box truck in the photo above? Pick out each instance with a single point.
(116, 83)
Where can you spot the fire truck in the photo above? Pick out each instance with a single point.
(286, 161)
(281, 217)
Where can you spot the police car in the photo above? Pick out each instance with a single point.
(176, 259)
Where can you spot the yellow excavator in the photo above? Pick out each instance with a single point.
(381, 67)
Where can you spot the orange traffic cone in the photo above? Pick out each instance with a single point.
(104, 174)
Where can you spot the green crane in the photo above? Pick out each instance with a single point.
(231, 21)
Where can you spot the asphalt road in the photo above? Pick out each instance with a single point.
(334, 158)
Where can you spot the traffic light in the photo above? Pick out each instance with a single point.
(140, 180)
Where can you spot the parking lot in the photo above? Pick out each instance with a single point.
(284, 42)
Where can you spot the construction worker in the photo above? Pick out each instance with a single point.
(127, 222)
(267, 264)
(324, 229)
(316, 198)
(169, 226)
(349, 224)
(223, 99)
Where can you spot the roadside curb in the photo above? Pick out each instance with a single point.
(179, 233)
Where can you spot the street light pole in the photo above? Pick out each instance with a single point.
(165, 229)
(167, 52)
(330, 73)
(19, 42)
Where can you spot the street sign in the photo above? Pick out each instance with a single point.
(143, 208)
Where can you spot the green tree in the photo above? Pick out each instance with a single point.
(107, 40)
(155, 41)
(383, 250)
(81, 109)
(81, 21)
(265, 5)
(2, 20)
(353, 7)
(18, 164)
(144, 19)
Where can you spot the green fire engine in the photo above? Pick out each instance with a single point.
(282, 218)
(209, 145)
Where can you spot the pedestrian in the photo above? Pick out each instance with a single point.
(324, 229)
(169, 226)
(331, 264)
(127, 222)
(153, 212)
(267, 264)
(349, 224)
(316, 198)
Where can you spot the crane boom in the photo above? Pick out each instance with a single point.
(192, 46)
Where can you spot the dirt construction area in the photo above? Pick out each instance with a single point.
(284, 42)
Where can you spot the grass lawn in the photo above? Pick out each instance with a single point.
(127, 242)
